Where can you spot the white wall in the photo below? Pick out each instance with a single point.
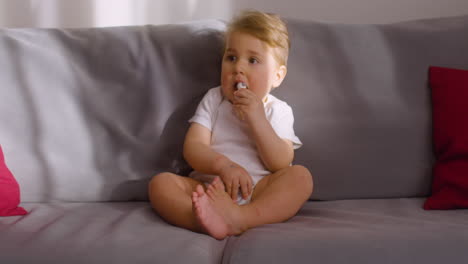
(362, 11)
(88, 13)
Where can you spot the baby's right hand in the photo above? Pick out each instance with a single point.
(235, 177)
(238, 113)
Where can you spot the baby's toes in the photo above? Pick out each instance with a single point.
(200, 191)
(218, 184)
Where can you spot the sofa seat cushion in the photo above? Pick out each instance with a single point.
(100, 233)
(357, 231)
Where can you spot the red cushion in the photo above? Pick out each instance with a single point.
(9, 191)
(450, 135)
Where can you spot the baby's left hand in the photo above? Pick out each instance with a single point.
(248, 106)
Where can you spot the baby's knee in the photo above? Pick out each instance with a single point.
(160, 180)
(303, 176)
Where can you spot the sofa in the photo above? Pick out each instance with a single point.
(89, 115)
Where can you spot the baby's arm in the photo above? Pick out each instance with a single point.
(202, 158)
(199, 154)
(275, 152)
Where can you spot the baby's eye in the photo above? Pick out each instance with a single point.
(253, 60)
(231, 58)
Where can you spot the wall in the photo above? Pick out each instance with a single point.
(88, 13)
(362, 11)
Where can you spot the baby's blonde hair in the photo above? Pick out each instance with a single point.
(267, 27)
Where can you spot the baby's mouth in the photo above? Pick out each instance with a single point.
(240, 85)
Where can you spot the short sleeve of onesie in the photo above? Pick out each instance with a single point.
(282, 122)
(206, 110)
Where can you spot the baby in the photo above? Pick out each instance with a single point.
(240, 142)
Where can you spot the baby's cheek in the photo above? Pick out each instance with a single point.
(224, 81)
(227, 93)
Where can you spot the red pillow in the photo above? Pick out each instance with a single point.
(450, 135)
(9, 191)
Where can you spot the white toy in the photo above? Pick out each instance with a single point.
(241, 85)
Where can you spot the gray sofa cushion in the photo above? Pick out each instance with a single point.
(101, 233)
(93, 114)
(357, 231)
(362, 104)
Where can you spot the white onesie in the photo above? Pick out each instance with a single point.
(230, 135)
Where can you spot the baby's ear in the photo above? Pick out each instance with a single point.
(279, 76)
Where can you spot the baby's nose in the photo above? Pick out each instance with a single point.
(238, 68)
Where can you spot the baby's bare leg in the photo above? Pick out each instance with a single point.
(216, 212)
(171, 196)
(276, 198)
(279, 196)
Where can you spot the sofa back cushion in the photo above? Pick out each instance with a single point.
(362, 106)
(93, 114)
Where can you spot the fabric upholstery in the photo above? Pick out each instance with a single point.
(95, 113)
(123, 96)
(450, 121)
(362, 104)
(96, 233)
(357, 231)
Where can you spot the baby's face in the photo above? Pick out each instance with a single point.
(249, 60)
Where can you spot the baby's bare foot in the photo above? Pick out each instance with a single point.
(215, 211)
